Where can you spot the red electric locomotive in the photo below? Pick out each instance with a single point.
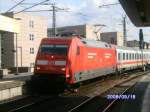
(69, 61)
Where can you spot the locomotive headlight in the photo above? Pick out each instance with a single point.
(67, 75)
(38, 68)
(63, 69)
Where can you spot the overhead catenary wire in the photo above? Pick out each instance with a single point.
(15, 6)
(19, 4)
(32, 6)
(39, 10)
(108, 5)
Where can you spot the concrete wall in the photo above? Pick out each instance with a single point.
(8, 45)
(10, 89)
(120, 39)
(112, 38)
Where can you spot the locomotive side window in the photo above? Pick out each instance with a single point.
(78, 51)
(54, 49)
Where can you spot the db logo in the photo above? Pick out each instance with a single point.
(52, 62)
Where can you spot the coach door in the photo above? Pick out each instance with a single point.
(119, 59)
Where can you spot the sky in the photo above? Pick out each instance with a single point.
(83, 12)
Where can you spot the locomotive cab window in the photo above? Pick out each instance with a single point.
(54, 49)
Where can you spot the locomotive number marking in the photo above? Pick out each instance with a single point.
(91, 55)
(107, 55)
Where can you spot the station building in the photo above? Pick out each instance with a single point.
(135, 43)
(25, 43)
(7, 25)
(88, 31)
(115, 38)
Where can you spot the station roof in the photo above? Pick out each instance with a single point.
(9, 24)
(138, 11)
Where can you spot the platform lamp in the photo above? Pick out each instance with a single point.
(141, 45)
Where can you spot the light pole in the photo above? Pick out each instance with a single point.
(16, 53)
(141, 38)
(20, 55)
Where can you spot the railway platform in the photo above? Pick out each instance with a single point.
(13, 85)
(141, 102)
(10, 89)
(20, 76)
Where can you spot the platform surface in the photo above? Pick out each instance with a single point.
(19, 76)
(141, 103)
(10, 84)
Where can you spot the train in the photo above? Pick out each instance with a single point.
(67, 62)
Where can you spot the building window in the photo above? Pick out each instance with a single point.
(31, 37)
(31, 24)
(2, 64)
(31, 50)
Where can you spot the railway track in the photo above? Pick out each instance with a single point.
(23, 104)
(28, 106)
(108, 104)
(104, 83)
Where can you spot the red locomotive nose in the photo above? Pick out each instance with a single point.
(52, 59)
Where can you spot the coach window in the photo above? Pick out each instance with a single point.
(123, 56)
(119, 56)
(127, 56)
(133, 56)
